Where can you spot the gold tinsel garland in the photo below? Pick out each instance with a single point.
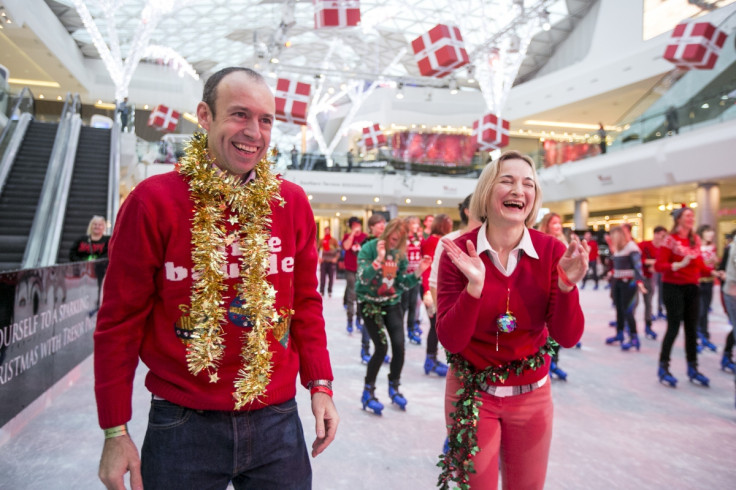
(250, 205)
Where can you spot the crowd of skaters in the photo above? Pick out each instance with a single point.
(631, 272)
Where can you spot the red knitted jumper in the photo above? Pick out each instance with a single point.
(673, 250)
(467, 325)
(147, 295)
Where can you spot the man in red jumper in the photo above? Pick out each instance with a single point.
(212, 284)
(351, 243)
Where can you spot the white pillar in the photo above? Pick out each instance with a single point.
(580, 218)
(709, 199)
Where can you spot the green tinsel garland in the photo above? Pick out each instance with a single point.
(457, 463)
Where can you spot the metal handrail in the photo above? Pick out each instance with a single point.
(23, 111)
(45, 209)
(113, 179)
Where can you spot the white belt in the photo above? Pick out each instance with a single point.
(505, 391)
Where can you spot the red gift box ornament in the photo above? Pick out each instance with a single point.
(292, 99)
(163, 118)
(373, 136)
(695, 45)
(336, 13)
(440, 51)
(491, 133)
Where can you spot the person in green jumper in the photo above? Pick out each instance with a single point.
(382, 277)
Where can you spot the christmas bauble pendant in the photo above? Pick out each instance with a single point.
(506, 323)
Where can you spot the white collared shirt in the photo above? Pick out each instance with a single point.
(525, 244)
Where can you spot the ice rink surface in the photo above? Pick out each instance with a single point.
(615, 427)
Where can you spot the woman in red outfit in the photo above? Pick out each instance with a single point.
(680, 261)
(441, 226)
(504, 293)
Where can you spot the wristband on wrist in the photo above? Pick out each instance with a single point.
(320, 386)
(563, 277)
(321, 389)
(118, 431)
(377, 264)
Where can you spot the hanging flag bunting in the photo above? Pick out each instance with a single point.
(440, 51)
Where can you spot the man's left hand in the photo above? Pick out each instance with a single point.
(325, 415)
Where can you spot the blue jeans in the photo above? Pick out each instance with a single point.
(201, 449)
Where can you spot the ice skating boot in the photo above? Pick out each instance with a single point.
(554, 370)
(387, 359)
(727, 364)
(619, 337)
(579, 345)
(695, 376)
(414, 337)
(433, 365)
(649, 333)
(706, 343)
(665, 377)
(446, 445)
(633, 343)
(369, 400)
(396, 397)
(350, 326)
(417, 327)
(365, 356)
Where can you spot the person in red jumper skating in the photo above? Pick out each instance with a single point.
(504, 293)
(681, 263)
(212, 283)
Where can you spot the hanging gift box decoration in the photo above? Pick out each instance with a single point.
(695, 45)
(336, 13)
(292, 99)
(163, 118)
(440, 51)
(490, 133)
(373, 136)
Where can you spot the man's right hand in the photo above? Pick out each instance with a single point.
(119, 455)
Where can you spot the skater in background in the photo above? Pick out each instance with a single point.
(441, 226)
(729, 294)
(503, 293)
(382, 278)
(410, 296)
(681, 263)
(628, 282)
(710, 256)
(351, 243)
(727, 363)
(593, 260)
(376, 225)
(551, 224)
(649, 250)
(329, 254)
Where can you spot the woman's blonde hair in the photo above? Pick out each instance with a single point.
(486, 181)
(393, 226)
(92, 222)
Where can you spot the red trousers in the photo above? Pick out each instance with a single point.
(516, 428)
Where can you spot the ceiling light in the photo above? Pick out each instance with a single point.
(453, 86)
(376, 199)
(407, 200)
(310, 197)
(343, 198)
(693, 204)
(41, 96)
(705, 106)
(544, 18)
(35, 83)
(274, 60)
(439, 201)
(58, 97)
(337, 214)
(661, 207)
(558, 124)
(399, 95)
(145, 106)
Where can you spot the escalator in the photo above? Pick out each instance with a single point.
(88, 192)
(22, 191)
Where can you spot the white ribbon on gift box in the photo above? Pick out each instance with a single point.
(482, 125)
(169, 118)
(687, 38)
(290, 96)
(372, 133)
(342, 8)
(430, 51)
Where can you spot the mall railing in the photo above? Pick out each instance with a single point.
(46, 227)
(20, 117)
